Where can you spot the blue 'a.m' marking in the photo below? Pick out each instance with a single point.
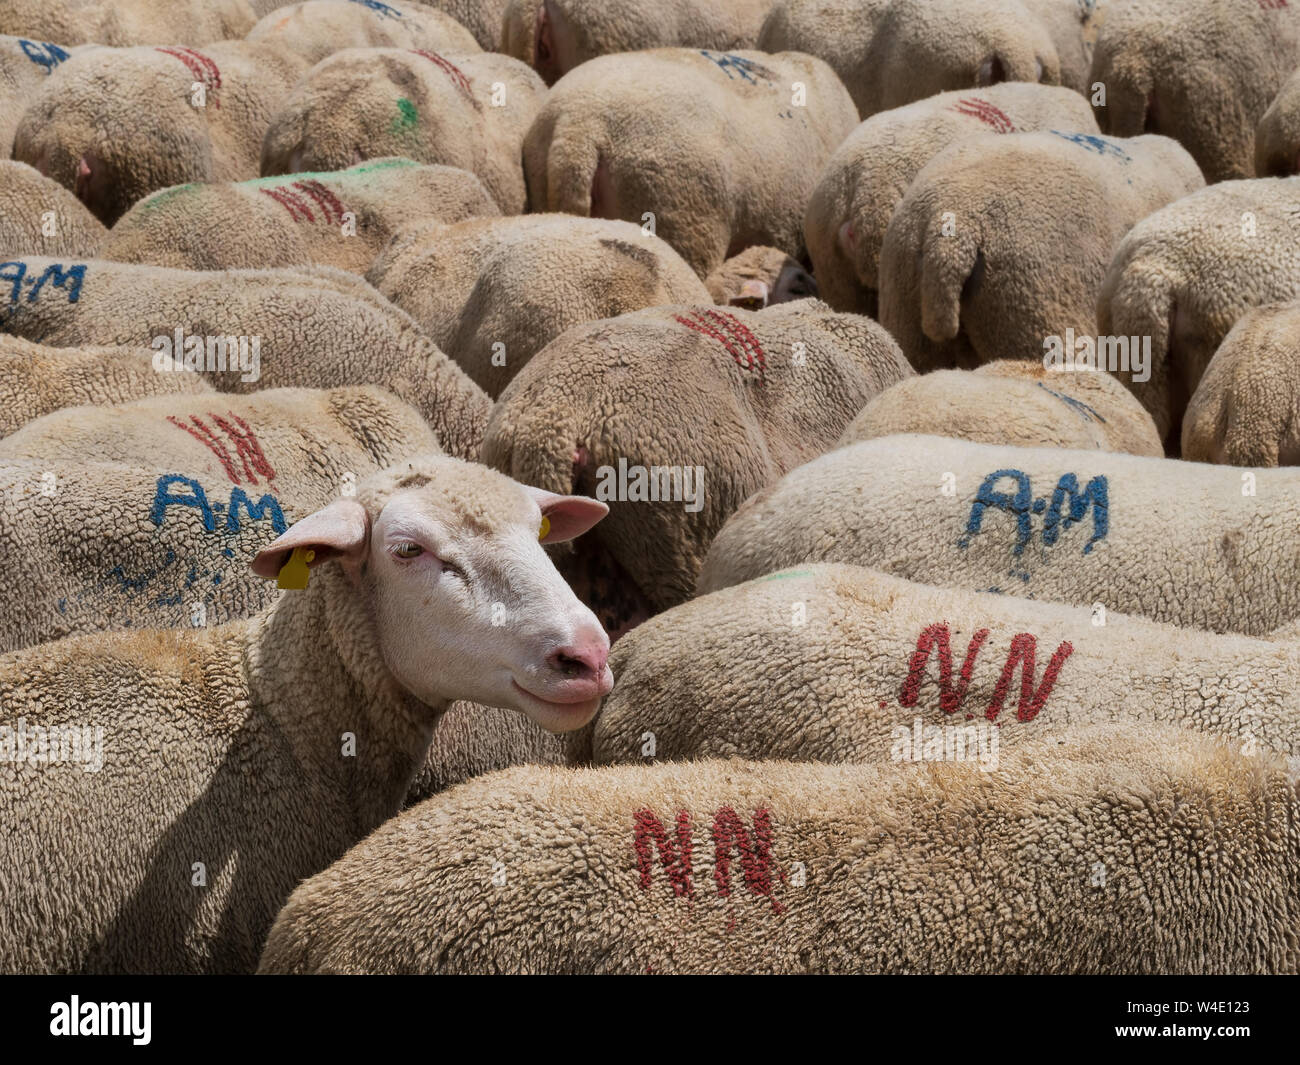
(1069, 506)
(43, 53)
(746, 68)
(59, 275)
(1078, 406)
(1098, 145)
(379, 7)
(167, 495)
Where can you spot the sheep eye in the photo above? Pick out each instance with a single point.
(408, 549)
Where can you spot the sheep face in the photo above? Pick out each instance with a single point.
(465, 604)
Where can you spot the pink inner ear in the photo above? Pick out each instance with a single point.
(569, 516)
(337, 531)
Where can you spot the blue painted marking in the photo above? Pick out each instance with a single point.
(1076, 405)
(1097, 145)
(381, 8)
(1022, 504)
(746, 68)
(43, 53)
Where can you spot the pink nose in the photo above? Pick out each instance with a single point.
(583, 661)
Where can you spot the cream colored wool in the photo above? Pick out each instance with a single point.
(316, 328)
(1203, 547)
(892, 52)
(1200, 71)
(862, 184)
(24, 65)
(760, 276)
(40, 217)
(319, 28)
(152, 556)
(35, 379)
(832, 663)
(714, 146)
(650, 390)
(1120, 850)
(340, 219)
(365, 103)
(226, 747)
(113, 125)
(1011, 402)
(123, 23)
(481, 17)
(554, 36)
(1184, 275)
(1003, 241)
(1277, 138)
(1246, 410)
(1074, 26)
(492, 292)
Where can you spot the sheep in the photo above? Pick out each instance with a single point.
(1012, 402)
(40, 217)
(1073, 26)
(827, 663)
(309, 720)
(713, 151)
(340, 218)
(469, 111)
(113, 125)
(24, 65)
(1107, 850)
(307, 327)
(893, 52)
(1200, 71)
(554, 36)
(492, 292)
(220, 477)
(760, 276)
(1277, 137)
(1001, 243)
(35, 379)
(1244, 412)
(483, 18)
(673, 416)
(1203, 547)
(1184, 275)
(862, 184)
(124, 23)
(319, 28)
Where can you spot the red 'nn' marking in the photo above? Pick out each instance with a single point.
(986, 113)
(676, 862)
(755, 860)
(950, 698)
(251, 456)
(450, 69)
(1023, 647)
(200, 66)
(738, 341)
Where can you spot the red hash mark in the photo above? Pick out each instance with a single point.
(247, 447)
(450, 69)
(200, 66)
(298, 208)
(1272, 5)
(293, 198)
(732, 334)
(729, 834)
(986, 113)
(1023, 653)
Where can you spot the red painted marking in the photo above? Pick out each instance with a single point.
(755, 860)
(950, 698)
(200, 66)
(677, 862)
(986, 113)
(251, 456)
(738, 341)
(450, 69)
(1272, 5)
(1023, 647)
(291, 202)
(331, 206)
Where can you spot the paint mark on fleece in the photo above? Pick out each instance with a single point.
(1023, 653)
(59, 275)
(452, 71)
(294, 199)
(247, 446)
(43, 53)
(733, 335)
(407, 117)
(1097, 145)
(747, 69)
(203, 69)
(1078, 406)
(985, 112)
(1023, 505)
(382, 9)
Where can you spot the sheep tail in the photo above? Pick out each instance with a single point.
(949, 263)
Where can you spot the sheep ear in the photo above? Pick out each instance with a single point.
(564, 517)
(338, 531)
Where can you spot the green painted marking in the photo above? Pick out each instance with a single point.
(159, 198)
(786, 575)
(407, 117)
(360, 168)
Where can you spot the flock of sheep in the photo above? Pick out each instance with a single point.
(906, 386)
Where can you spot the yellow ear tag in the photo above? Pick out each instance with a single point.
(546, 528)
(294, 573)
